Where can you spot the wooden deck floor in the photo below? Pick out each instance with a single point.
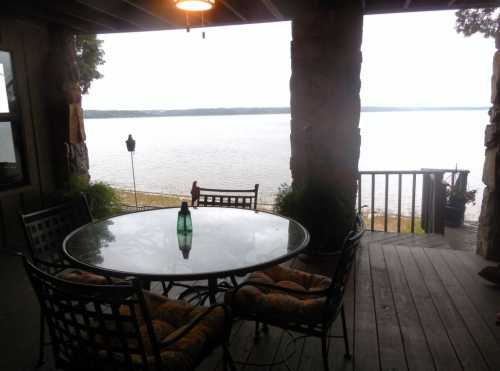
(413, 303)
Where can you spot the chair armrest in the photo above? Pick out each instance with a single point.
(37, 261)
(312, 293)
(196, 320)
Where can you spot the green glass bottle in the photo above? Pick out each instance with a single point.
(184, 224)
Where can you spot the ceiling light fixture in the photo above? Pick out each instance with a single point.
(194, 5)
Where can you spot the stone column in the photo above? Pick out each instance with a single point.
(325, 104)
(69, 151)
(489, 220)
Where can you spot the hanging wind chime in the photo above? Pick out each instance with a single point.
(190, 6)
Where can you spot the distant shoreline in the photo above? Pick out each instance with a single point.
(103, 114)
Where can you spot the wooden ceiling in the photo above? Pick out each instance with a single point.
(104, 16)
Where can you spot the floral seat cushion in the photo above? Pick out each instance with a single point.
(171, 317)
(279, 304)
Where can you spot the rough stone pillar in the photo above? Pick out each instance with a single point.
(325, 102)
(489, 220)
(69, 151)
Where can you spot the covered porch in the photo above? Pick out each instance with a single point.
(413, 303)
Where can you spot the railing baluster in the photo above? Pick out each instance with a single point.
(400, 176)
(359, 193)
(401, 218)
(373, 203)
(386, 201)
(413, 191)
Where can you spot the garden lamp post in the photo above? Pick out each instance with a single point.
(131, 148)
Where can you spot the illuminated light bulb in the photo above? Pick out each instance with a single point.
(194, 5)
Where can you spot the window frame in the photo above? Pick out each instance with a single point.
(14, 117)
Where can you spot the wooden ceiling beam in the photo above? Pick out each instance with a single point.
(83, 13)
(233, 10)
(123, 12)
(273, 9)
(29, 9)
(154, 9)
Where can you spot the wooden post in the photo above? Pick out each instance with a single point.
(325, 103)
(69, 151)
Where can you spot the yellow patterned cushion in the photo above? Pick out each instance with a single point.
(171, 317)
(79, 276)
(279, 304)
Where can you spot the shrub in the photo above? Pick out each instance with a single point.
(101, 197)
(325, 213)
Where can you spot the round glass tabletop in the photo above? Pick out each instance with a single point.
(223, 241)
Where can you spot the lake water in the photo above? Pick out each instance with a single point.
(239, 151)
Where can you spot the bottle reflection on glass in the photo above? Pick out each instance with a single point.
(185, 240)
(184, 224)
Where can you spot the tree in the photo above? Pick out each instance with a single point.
(89, 55)
(483, 21)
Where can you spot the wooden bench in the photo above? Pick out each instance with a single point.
(241, 198)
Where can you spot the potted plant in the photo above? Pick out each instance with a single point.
(456, 200)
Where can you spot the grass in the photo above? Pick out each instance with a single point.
(392, 223)
(150, 199)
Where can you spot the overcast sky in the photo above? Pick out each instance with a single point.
(413, 59)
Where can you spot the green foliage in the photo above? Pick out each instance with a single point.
(89, 55)
(101, 197)
(483, 21)
(325, 213)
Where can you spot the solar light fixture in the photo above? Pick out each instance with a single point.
(194, 5)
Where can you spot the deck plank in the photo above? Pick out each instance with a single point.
(484, 295)
(479, 330)
(466, 349)
(366, 349)
(417, 350)
(392, 352)
(440, 346)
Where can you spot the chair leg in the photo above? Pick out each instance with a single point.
(227, 359)
(265, 328)
(256, 337)
(233, 281)
(347, 354)
(324, 348)
(41, 344)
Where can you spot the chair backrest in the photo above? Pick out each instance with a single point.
(46, 229)
(344, 266)
(102, 327)
(241, 198)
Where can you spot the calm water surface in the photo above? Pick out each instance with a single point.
(239, 151)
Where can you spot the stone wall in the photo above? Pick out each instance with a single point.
(325, 102)
(489, 220)
(69, 150)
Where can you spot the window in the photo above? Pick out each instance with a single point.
(11, 169)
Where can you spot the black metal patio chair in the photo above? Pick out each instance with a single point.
(45, 231)
(242, 198)
(122, 327)
(298, 301)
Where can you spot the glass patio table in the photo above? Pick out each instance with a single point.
(224, 242)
